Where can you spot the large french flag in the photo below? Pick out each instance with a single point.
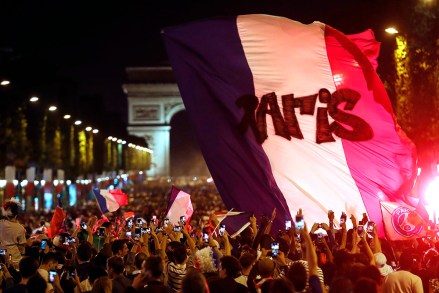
(291, 116)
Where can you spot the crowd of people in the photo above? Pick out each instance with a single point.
(142, 252)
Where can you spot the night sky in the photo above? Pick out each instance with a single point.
(74, 53)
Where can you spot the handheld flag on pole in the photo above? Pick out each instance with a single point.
(57, 220)
(110, 200)
(180, 204)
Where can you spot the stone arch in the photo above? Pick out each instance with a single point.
(153, 99)
(174, 110)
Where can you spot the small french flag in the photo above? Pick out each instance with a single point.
(110, 200)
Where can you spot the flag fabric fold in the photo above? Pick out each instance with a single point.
(291, 116)
(110, 200)
(180, 204)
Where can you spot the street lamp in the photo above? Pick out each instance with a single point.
(88, 128)
(78, 122)
(52, 108)
(67, 116)
(5, 82)
(95, 130)
(33, 99)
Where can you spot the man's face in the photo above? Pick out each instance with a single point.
(124, 250)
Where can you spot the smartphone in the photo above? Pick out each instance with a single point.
(72, 274)
(222, 229)
(128, 234)
(177, 228)
(137, 232)
(154, 220)
(139, 222)
(360, 230)
(165, 222)
(287, 225)
(300, 223)
(52, 275)
(130, 224)
(10, 257)
(183, 220)
(101, 231)
(84, 226)
(370, 227)
(274, 249)
(3, 251)
(206, 237)
(319, 238)
(157, 230)
(343, 218)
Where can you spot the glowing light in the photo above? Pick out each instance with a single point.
(23, 183)
(338, 79)
(114, 139)
(15, 182)
(36, 182)
(124, 142)
(209, 180)
(140, 172)
(33, 99)
(419, 171)
(119, 141)
(432, 192)
(5, 82)
(2, 183)
(95, 131)
(391, 30)
(88, 128)
(55, 182)
(78, 122)
(52, 108)
(67, 116)
(43, 182)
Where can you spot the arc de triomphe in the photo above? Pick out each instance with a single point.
(153, 98)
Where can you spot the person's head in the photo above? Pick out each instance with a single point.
(247, 260)
(139, 259)
(281, 286)
(341, 285)
(194, 282)
(12, 209)
(266, 241)
(266, 267)
(28, 267)
(36, 284)
(343, 259)
(373, 273)
(50, 261)
(170, 247)
(154, 266)
(102, 285)
(119, 247)
(297, 275)
(365, 285)
(115, 266)
(180, 254)
(406, 261)
(84, 251)
(229, 267)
